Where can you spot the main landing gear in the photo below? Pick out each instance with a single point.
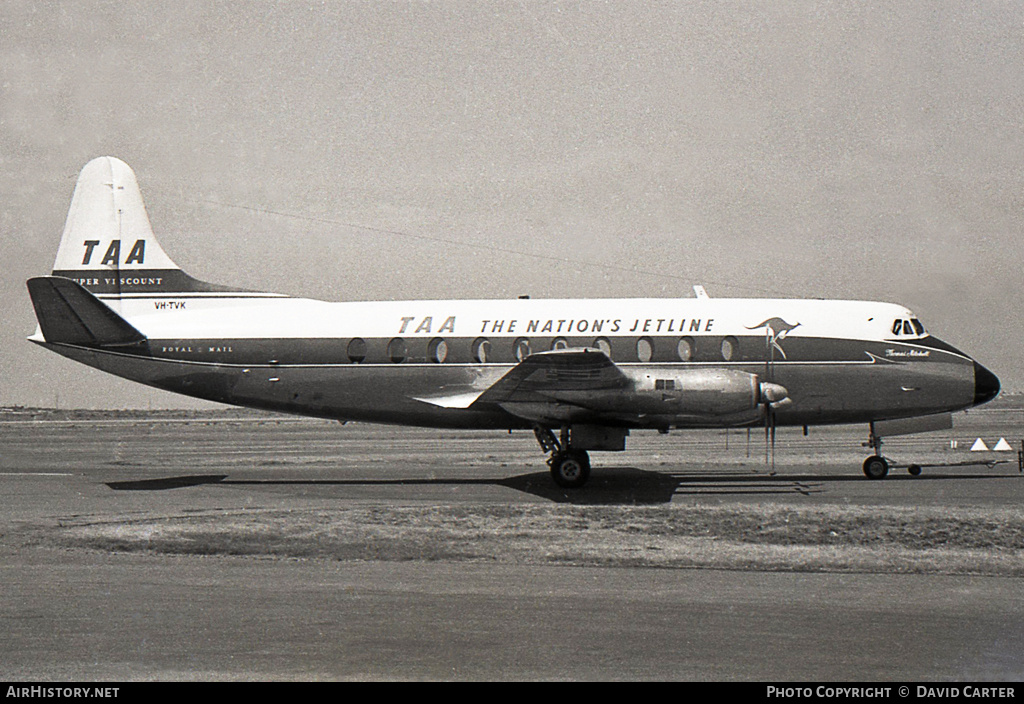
(570, 468)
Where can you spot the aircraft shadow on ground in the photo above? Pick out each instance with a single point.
(607, 485)
(167, 482)
(615, 486)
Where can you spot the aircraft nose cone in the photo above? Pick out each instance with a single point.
(986, 385)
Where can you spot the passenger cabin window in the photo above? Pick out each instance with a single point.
(356, 350)
(397, 350)
(685, 349)
(604, 344)
(730, 345)
(522, 348)
(559, 343)
(437, 350)
(645, 349)
(481, 349)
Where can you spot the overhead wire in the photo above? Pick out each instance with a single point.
(481, 246)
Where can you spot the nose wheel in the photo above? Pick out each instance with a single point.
(876, 467)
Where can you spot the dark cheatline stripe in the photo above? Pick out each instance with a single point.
(127, 281)
(937, 344)
(506, 350)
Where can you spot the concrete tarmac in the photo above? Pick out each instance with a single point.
(76, 614)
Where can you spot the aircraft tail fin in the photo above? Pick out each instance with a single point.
(108, 246)
(68, 313)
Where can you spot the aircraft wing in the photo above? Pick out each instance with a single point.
(584, 386)
(555, 386)
(543, 376)
(545, 385)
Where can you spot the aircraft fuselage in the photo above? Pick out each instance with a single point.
(377, 361)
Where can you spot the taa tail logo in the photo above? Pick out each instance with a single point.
(112, 257)
(776, 330)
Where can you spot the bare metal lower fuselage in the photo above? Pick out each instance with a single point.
(822, 392)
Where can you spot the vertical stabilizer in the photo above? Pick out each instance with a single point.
(108, 246)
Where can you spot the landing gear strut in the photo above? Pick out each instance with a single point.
(570, 468)
(876, 466)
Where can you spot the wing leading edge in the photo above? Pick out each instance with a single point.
(584, 386)
(541, 377)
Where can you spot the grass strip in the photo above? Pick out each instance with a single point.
(853, 539)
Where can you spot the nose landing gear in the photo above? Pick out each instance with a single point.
(877, 466)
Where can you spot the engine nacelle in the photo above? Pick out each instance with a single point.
(695, 392)
(688, 393)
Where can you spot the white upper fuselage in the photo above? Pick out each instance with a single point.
(238, 316)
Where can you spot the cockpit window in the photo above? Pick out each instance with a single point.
(907, 327)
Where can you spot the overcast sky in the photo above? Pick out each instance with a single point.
(376, 150)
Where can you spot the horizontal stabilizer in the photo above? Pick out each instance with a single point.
(69, 314)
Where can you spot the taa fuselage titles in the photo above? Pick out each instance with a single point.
(588, 370)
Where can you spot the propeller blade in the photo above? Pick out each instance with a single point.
(767, 413)
(773, 395)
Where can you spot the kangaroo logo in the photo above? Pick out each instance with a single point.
(776, 330)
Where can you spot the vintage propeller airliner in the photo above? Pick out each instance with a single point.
(580, 373)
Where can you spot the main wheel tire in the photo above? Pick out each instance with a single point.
(875, 467)
(570, 470)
